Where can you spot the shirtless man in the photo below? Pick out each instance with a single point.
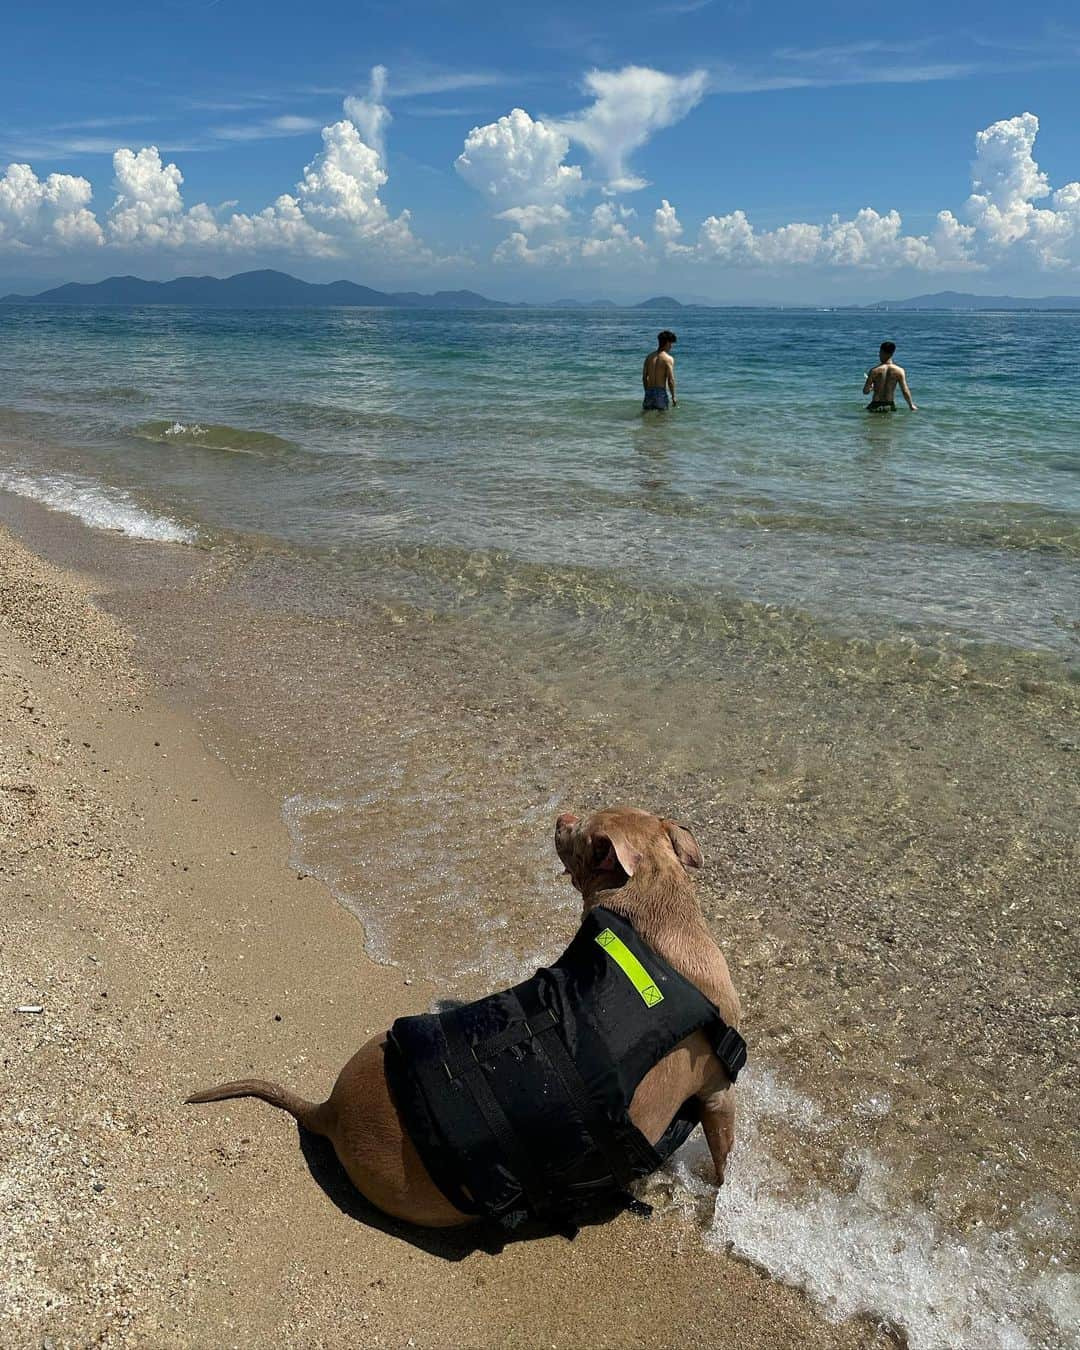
(658, 374)
(882, 382)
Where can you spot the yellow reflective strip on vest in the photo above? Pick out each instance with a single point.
(631, 967)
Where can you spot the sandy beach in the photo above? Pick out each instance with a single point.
(153, 917)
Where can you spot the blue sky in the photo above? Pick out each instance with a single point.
(703, 148)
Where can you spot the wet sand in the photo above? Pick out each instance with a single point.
(151, 912)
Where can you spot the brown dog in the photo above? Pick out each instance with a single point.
(629, 861)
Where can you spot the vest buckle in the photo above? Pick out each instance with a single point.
(730, 1049)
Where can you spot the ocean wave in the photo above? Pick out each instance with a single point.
(336, 417)
(1012, 525)
(112, 393)
(856, 1254)
(1018, 526)
(212, 436)
(95, 506)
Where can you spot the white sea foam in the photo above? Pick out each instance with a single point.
(859, 1254)
(96, 506)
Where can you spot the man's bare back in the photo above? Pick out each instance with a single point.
(658, 374)
(658, 366)
(883, 380)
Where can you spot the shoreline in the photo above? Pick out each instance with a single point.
(154, 915)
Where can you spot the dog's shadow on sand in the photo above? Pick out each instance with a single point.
(451, 1244)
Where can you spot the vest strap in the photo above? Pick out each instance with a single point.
(462, 1066)
(518, 1032)
(594, 1120)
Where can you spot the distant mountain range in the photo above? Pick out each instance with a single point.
(246, 290)
(272, 290)
(962, 300)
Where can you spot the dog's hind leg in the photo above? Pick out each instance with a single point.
(718, 1122)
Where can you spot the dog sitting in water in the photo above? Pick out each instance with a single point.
(552, 1098)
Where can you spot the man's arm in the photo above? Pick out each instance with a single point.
(671, 378)
(907, 392)
(645, 374)
(868, 387)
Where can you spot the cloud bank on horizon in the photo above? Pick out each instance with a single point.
(521, 167)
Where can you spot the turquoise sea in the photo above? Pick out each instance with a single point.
(508, 446)
(433, 578)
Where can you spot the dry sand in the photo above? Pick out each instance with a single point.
(151, 913)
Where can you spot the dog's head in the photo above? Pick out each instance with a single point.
(603, 850)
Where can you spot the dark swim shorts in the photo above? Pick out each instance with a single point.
(656, 400)
(881, 406)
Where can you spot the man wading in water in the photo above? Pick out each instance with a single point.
(882, 382)
(658, 374)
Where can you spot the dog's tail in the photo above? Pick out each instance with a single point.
(311, 1115)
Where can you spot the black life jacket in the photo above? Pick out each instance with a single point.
(519, 1103)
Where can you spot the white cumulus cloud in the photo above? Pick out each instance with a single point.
(340, 187)
(518, 248)
(669, 231)
(517, 161)
(869, 239)
(336, 202)
(279, 227)
(518, 164)
(49, 212)
(1007, 183)
(610, 236)
(951, 242)
(149, 208)
(1001, 216)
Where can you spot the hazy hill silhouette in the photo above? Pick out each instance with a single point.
(264, 289)
(962, 300)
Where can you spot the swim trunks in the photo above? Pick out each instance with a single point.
(879, 405)
(655, 400)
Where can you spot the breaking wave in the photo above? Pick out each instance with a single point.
(857, 1254)
(101, 509)
(210, 436)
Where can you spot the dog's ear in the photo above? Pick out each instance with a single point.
(613, 851)
(683, 842)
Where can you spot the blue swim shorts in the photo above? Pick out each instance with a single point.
(656, 399)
